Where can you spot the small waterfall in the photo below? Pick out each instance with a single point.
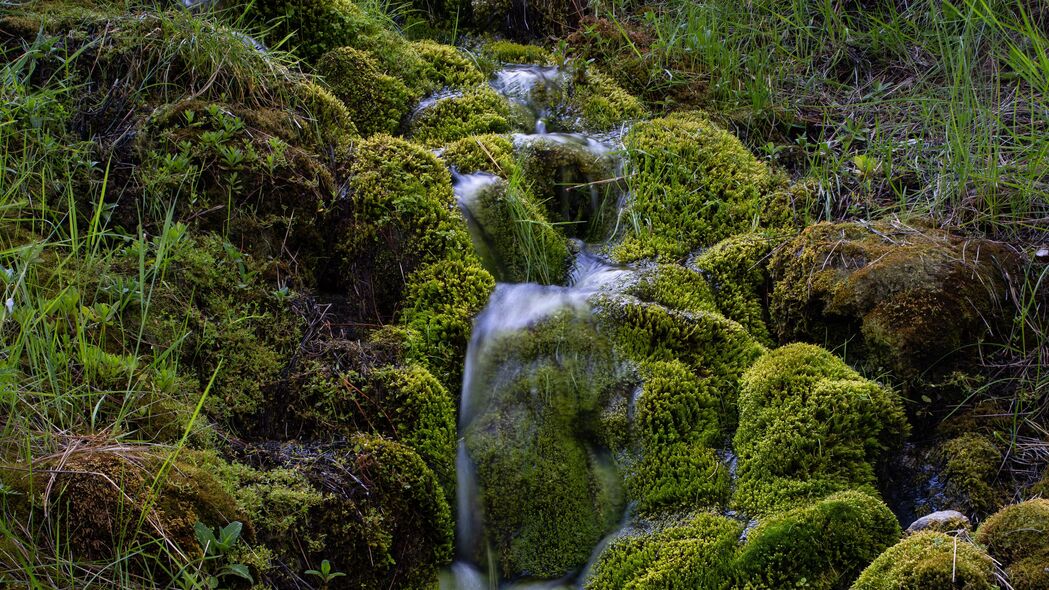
(531, 87)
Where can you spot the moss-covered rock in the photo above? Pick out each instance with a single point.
(696, 553)
(597, 102)
(504, 51)
(970, 469)
(477, 111)
(737, 269)
(823, 545)
(674, 287)
(448, 67)
(402, 215)
(377, 102)
(371, 507)
(929, 560)
(913, 300)
(693, 184)
(809, 426)
(482, 153)
(531, 428)
(314, 27)
(1018, 537)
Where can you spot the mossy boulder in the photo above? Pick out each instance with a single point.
(914, 300)
(930, 560)
(512, 229)
(822, 545)
(447, 66)
(738, 271)
(314, 27)
(674, 287)
(508, 52)
(696, 552)
(692, 185)
(489, 153)
(1018, 537)
(401, 215)
(370, 506)
(377, 102)
(477, 111)
(595, 102)
(808, 426)
(547, 490)
(971, 463)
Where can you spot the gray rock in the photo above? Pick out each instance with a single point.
(943, 520)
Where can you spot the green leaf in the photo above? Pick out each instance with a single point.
(230, 533)
(240, 570)
(205, 536)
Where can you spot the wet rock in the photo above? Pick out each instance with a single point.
(943, 521)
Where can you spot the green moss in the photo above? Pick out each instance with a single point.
(402, 216)
(674, 287)
(929, 560)
(808, 426)
(1018, 537)
(545, 490)
(971, 464)
(448, 67)
(482, 153)
(376, 101)
(693, 184)
(737, 268)
(823, 545)
(439, 307)
(504, 51)
(314, 26)
(477, 111)
(908, 299)
(334, 122)
(601, 102)
(511, 228)
(695, 553)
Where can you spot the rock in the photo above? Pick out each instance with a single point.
(943, 520)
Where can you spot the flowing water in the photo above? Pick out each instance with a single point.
(499, 360)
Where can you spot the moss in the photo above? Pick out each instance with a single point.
(402, 216)
(971, 464)
(822, 545)
(601, 102)
(692, 183)
(566, 174)
(314, 26)
(376, 101)
(714, 348)
(929, 560)
(1018, 537)
(808, 426)
(371, 507)
(449, 67)
(477, 111)
(513, 230)
(694, 553)
(737, 268)
(504, 51)
(441, 301)
(908, 299)
(674, 287)
(334, 122)
(544, 487)
(482, 153)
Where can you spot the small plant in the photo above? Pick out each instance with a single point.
(214, 567)
(326, 574)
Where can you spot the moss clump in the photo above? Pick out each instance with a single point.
(600, 102)
(674, 287)
(376, 101)
(530, 428)
(1018, 537)
(971, 464)
(441, 301)
(908, 299)
(334, 122)
(929, 560)
(401, 216)
(823, 545)
(737, 269)
(695, 553)
(522, 246)
(693, 184)
(477, 111)
(566, 175)
(372, 507)
(808, 426)
(504, 51)
(314, 26)
(448, 68)
(677, 425)
(482, 153)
